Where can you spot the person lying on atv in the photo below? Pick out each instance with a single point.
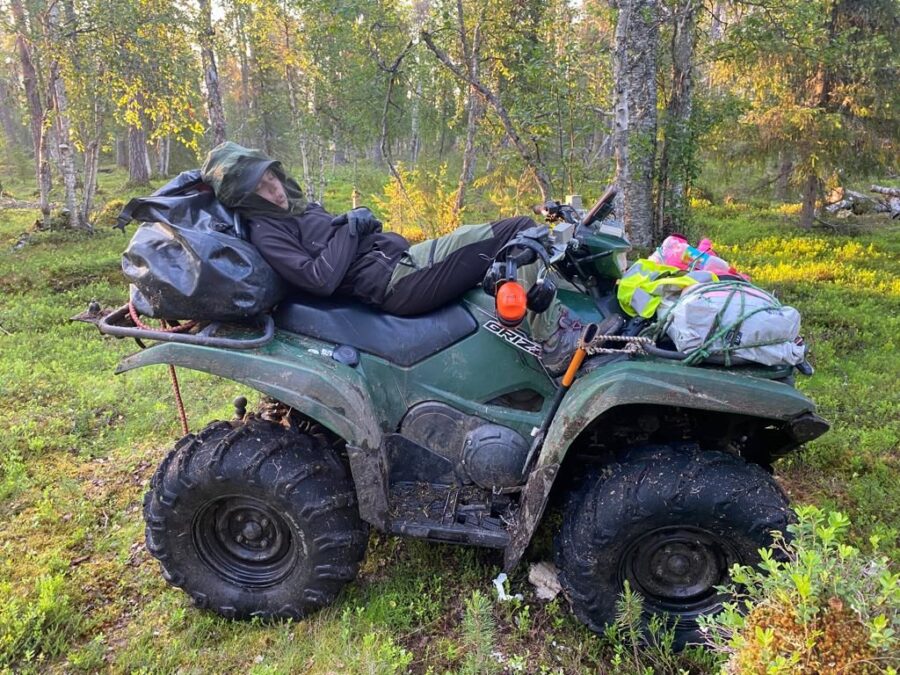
(350, 256)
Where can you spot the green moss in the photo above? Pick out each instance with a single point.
(78, 445)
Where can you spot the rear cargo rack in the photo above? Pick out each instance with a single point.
(119, 324)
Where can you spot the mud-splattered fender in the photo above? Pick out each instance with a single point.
(332, 394)
(634, 382)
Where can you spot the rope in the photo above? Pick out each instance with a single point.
(633, 345)
(178, 402)
(132, 312)
(176, 389)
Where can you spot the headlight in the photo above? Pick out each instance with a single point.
(622, 261)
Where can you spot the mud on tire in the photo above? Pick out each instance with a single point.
(670, 521)
(254, 520)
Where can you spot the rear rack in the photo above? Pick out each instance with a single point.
(119, 324)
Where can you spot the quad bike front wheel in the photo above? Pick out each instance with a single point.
(254, 520)
(670, 521)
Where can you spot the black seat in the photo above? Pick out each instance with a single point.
(404, 340)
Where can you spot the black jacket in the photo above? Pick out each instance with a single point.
(317, 258)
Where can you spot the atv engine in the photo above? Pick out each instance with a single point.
(440, 444)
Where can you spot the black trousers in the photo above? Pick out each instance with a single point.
(436, 271)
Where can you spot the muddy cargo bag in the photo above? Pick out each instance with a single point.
(728, 319)
(189, 258)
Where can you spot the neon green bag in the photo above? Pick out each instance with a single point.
(646, 284)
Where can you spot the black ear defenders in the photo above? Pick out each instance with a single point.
(522, 251)
(541, 294)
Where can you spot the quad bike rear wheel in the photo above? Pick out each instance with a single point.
(670, 521)
(255, 520)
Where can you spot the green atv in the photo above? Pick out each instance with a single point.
(446, 427)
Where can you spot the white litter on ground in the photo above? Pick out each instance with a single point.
(543, 576)
(500, 585)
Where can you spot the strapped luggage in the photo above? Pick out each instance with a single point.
(189, 258)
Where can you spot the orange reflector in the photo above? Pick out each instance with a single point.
(511, 303)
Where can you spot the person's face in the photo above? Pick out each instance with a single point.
(271, 189)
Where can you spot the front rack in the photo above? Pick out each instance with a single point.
(119, 324)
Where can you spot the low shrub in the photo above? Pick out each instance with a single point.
(813, 605)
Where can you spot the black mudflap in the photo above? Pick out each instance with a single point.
(450, 514)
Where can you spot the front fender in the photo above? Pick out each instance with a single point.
(642, 382)
(332, 394)
(668, 384)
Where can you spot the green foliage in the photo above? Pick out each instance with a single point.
(37, 629)
(816, 80)
(813, 602)
(78, 445)
(478, 635)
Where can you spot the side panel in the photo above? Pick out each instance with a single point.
(647, 382)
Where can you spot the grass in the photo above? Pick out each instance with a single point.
(78, 592)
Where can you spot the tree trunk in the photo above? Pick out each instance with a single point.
(677, 150)
(414, 141)
(138, 159)
(10, 130)
(322, 181)
(244, 64)
(470, 153)
(717, 22)
(637, 38)
(163, 151)
(63, 136)
(121, 152)
(783, 179)
(36, 112)
(91, 164)
(473, 105)
(211, 74)
(45, 182)
(810, 194)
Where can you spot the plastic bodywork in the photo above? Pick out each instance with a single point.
(363, 404)
(637, 383)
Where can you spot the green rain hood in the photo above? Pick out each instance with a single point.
(234, 171)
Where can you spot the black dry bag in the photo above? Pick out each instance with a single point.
(189, 258)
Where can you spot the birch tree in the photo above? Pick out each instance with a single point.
(635, 66)
(40, 128)
(211, 73)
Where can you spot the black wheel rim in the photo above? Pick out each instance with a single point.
(244, 541)
(676, 570)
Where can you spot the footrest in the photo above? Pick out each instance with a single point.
(445, 513)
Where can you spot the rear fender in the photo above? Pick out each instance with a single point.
(647, 383)
(334, 395)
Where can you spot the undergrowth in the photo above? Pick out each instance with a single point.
(78, 444)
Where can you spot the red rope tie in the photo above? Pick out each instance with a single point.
(179, 403)
(132, 312)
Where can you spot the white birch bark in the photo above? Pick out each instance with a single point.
(211, 74)
(636, 44)
(60, 103)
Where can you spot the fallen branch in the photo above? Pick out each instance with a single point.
(892, 192)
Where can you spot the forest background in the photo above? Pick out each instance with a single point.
(731, 119)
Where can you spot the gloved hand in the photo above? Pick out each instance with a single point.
(360, 220)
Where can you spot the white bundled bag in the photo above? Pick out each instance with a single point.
(736, 319)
